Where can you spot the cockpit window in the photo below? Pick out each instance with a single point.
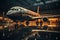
(15, 9)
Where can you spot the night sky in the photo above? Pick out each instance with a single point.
(54, 7)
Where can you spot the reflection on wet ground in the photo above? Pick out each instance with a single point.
(29, 34)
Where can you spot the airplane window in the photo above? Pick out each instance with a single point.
(12, 9)
(15, 9)
(18, 9)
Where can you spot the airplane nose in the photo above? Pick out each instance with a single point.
(9, 12)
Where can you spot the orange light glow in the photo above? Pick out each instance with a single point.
(1, 18)
(53, 19)
(32, 23)
(1, 27)
(51, 25)
(33, 13)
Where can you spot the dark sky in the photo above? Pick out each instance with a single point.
(5, 5)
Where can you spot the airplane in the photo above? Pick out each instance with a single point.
(20, 11)
(45, 18)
